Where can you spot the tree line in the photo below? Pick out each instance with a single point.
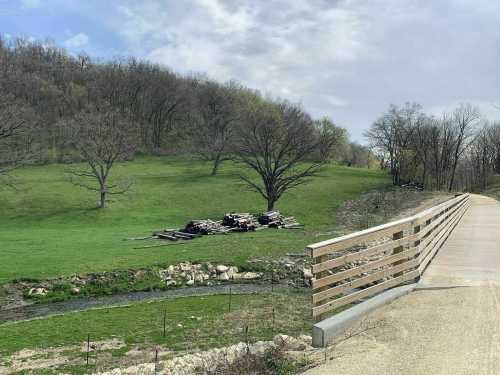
(56, 107)
(455, 151)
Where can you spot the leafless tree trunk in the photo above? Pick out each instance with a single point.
(101, 138)
(465, 117)
(276, 141)
(217, 117)
(14, 123)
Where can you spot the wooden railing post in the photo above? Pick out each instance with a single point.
(342, 275)
(321, 259)
(399, 249)
(416, 230)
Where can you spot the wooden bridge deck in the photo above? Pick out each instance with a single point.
(471, 255)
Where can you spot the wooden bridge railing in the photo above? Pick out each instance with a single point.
(350, 268)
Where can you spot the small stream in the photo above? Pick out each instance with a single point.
(81, 304)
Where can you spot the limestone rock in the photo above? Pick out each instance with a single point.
(222, 268)
(307, 273)
(223, 276)
(37, 292)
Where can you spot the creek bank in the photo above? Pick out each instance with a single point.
(23, 292)
(80, 304)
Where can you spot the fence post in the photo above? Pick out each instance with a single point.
(319, 275)
(399, 249)
(416, 244)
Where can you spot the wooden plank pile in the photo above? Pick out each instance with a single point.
(232, 222)
(241, 222)
(174, 235)
(204, 227)
(274, 219)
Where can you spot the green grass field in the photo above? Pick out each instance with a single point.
(48, 227)
(191, 323)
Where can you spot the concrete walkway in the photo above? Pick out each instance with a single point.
(455, 330)
(471, 255)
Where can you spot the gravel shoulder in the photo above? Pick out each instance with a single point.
(446, 331)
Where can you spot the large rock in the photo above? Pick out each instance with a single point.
(223, 276)
(221, 268)
(232, 271)
(247, 276)
(290, 343)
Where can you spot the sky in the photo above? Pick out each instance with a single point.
(345, 59)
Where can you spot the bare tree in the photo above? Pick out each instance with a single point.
(14, 143)
(101, 138)
(217, 118)
(327, 130)
(464, 118)
(276, 141)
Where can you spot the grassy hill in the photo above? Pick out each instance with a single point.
(48, 227)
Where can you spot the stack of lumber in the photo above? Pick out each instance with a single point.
(205, 226)
(241, 222)
(232, 222)
(273, 219)
(173, 235)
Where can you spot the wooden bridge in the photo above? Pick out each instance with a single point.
(350, 268)
(451, 322)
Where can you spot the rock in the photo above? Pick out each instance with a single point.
(307, 273)
(190, 282)
(139, 275)
(306, 339)
(171, 269)
(199, 278)
(37, 292)
(185, 266)
(289, 343)
(249, 275)
(171, 283)
(75, 290)
(223, 276)
(164, 275)
(232, 271)
(260, 348)
(221, 268)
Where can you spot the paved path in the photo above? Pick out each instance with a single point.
(455, 330)
(471, 255)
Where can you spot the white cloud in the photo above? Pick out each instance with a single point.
(348, 59)
(77, 41)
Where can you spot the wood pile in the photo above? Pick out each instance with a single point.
(174, 235)
(274, 219)
(204, 227)
(231, 222)
(241, 222)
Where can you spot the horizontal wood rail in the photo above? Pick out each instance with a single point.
(350, 268)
